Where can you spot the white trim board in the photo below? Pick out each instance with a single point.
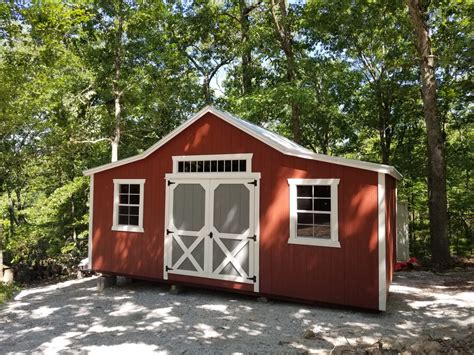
(382, 243)
(91, 222)
(281, 144)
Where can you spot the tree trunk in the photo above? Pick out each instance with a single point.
(116, 88)
(436, 158)
(285, 37)
(246, 50)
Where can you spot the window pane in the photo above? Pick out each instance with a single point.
(235, 165)
(243, 165)
(304, 191)
(304, 230)
(133, 220)
(133, 211)
(220, 165)
(322, 191)
(304, 204)
(180, 167)
(135, 189)
(123, 220)
(200, 166)
(123, 188)
(193, 166)
(228, 166)
(134, 199)
(123, 198)
(322, 204)
(322, 231)
(305, 218)
(187, 166)
(123, 209)
(213, 166)
(207, 166)
(322, 218)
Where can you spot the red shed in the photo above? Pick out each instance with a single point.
(223, 203)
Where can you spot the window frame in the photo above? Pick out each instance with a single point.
(334, 224)
(213, 158)
(125, 227)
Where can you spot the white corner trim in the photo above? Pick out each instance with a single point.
(91, 222)
(382, 243)
(128, 228)
(294, 238)
(273, 140)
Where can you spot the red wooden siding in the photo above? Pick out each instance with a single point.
(346, 275)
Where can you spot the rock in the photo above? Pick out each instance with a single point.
(432, 347)
(309, 334)
(283, 342)
(8, 276)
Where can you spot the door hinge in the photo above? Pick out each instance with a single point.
(254, 183)
(253, 278)
(210, 235)
(168, 232)
(254, 238)
(167, 268)
(170, 183)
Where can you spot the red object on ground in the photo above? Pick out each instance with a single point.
(410, 264)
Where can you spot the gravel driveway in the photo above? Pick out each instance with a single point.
(145, 318)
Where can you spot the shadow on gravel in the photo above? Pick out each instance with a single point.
(144, 317)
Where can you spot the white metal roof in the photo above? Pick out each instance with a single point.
(272, 139)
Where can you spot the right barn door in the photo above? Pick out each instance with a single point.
(232, 227)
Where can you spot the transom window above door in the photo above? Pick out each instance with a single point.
(313, 212)
(220, 163)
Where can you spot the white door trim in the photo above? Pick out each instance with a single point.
(213, 181)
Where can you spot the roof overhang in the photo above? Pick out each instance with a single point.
(283, 145)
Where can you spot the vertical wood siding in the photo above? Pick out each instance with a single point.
(346, 275)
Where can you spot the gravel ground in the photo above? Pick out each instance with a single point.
(145, 318)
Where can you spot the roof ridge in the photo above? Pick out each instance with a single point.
(272, 139)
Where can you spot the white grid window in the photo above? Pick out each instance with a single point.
(128, 205)
(313, 212)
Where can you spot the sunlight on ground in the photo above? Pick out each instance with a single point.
(127, 348)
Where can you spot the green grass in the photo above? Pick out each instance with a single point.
(7, 292)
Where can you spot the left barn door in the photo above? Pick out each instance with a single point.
(186, 231)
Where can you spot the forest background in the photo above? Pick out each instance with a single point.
(86, 82)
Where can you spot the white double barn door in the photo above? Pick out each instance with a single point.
(211, 229)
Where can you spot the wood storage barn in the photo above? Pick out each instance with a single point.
(223, 203)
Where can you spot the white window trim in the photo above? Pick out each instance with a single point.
(127, 228)
(294, 239)
(242, 156)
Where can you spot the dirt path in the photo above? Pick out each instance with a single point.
(144, 318)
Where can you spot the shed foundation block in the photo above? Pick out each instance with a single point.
(176, 289)
(106, 281)
(122, 280)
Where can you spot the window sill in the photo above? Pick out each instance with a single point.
(315, 242)
(134, 229)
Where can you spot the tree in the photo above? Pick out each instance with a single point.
(418, 10)
(283, 26)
